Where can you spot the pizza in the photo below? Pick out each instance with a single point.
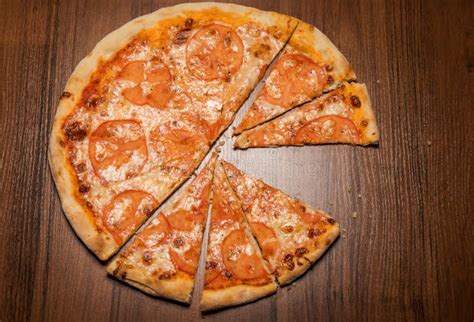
(235, 272)
(141, 111)
(343, 115)
(163, 257)
(309, 65)
(291, 234)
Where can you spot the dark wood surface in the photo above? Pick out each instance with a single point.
(408, 255)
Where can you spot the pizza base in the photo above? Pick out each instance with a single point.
(102, 243)
(234, 295)
(178, 289)
(289, 276)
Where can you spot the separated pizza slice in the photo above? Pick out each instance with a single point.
(309, 65)
(291, 234)
(235, 272)
(163, 257)
(343, 115)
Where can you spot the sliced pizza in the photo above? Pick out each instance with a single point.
(235, 272)
(163, 257)
(309, 65)
(141, 111)
(344, 115)
(291, 234)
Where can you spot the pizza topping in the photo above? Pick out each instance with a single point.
(155, 233)
(153, 73)
(182, 220)
(328, 129)
(210, 265)
(126, 211)
(175, 141)
(133, 71)
(135, 95)
(214, 52)
(83, 188)
(294, 79)
(240, 257)
(288, 261)
(75, 131)
(301, 251)
(182, 36)
(313, 233)
(355, 101)
(266, 238)
(187, 261)
(118, 150)
(178, 242)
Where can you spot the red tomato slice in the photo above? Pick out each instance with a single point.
(182, 220)
(135, 95)
(126, 211)
(133, 71)
(174, 141)
(294, 79)
(266, 238)
(235, 257)
(156, 74)
(328, 129)
(187, 262)
(118, 150)
(154, 234)
(214, 52)
(159, 96)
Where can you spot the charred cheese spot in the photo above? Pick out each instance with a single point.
(75, 131)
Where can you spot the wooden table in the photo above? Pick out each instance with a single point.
(408, 254)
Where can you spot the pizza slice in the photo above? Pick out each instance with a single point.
(309, 65)
(291, 234)
(235, 272)
(163, 257)
(140, 112)
(344, 115)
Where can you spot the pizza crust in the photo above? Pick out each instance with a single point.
(235, 295)
(289, 276)
(312, 42)
(178, 288)
(102, 243)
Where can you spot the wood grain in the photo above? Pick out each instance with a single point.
(409, 253)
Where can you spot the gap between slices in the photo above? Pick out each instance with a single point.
(235, 272)
(162, 258)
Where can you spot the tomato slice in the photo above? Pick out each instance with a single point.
(266, 238)
(214, 52)
(118, 150)
(328, 129)
(187, 262)
(294, 79)
(182, 220)
(126, 211)
(135, 95)
(155, 233)
(154, 73)
(240, 258)
(177, 141)
(133, 71)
